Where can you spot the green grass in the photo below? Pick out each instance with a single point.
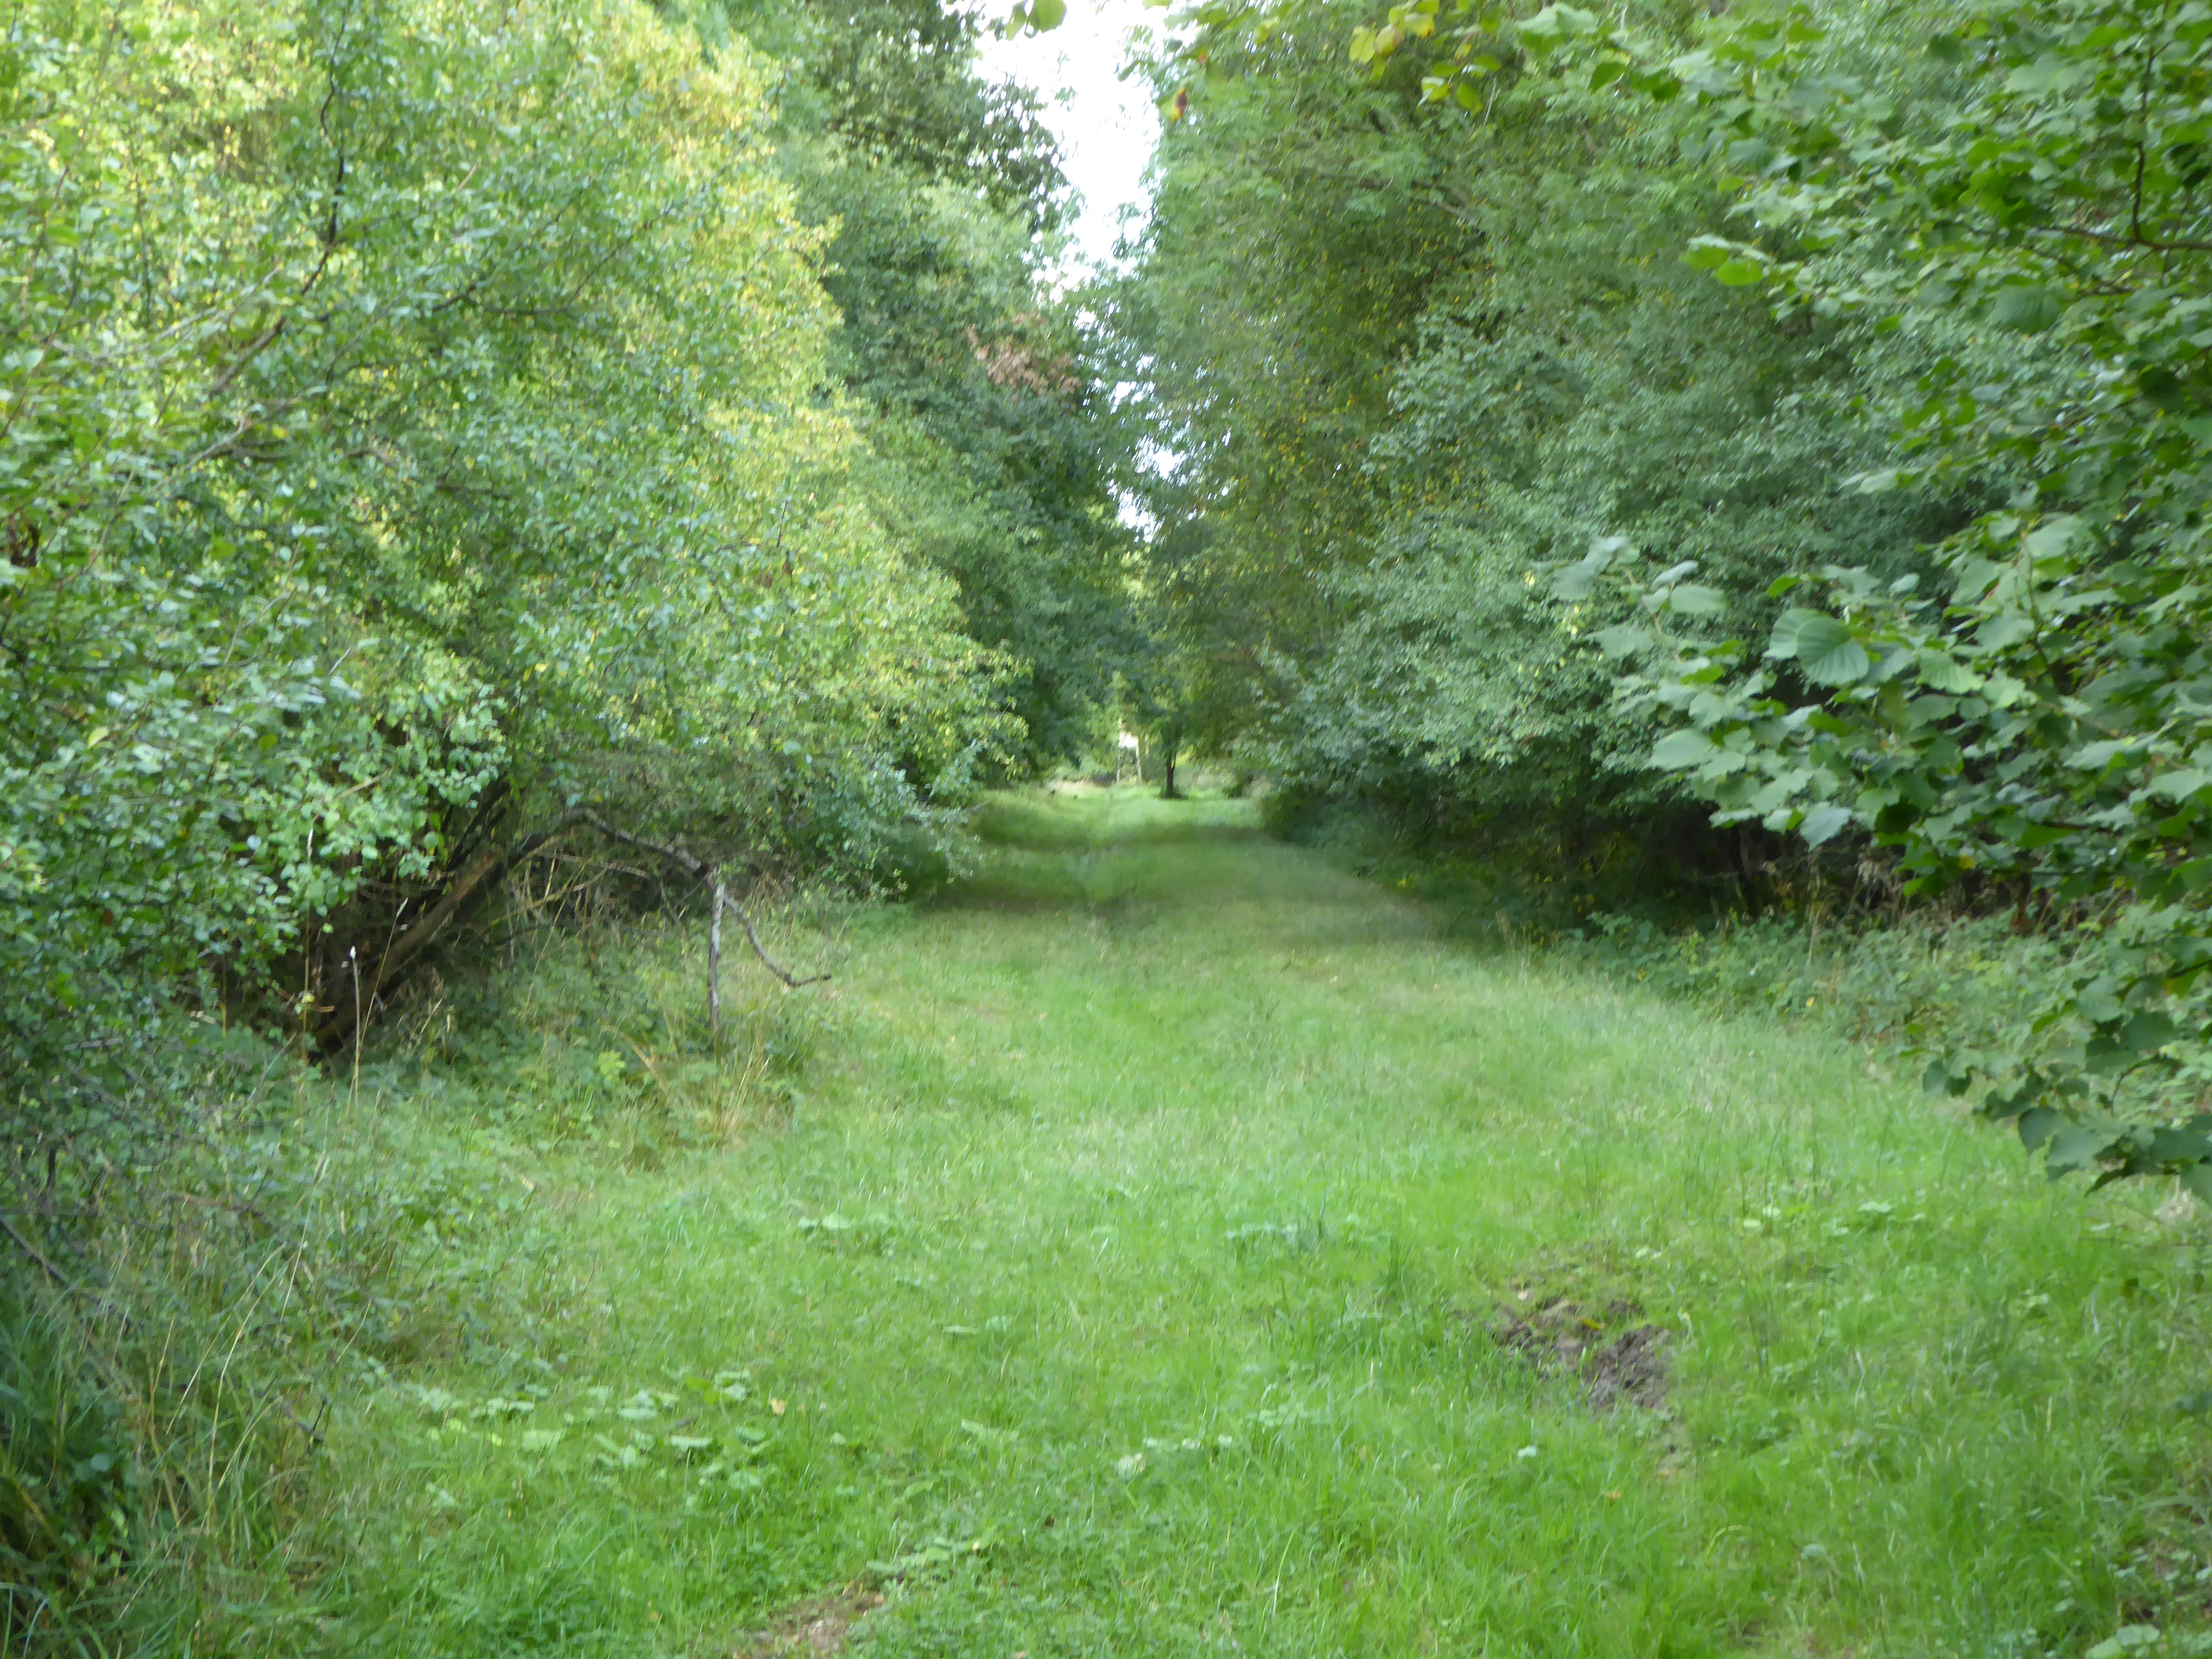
(1122, 1277)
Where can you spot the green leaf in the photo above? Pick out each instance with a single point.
(1941, 671)
(1691, 600)
(1554, 24)
(2076, 1146)
(1782, 643)
(2149, 1031)
(2056, 537)
(1047, 15)
(1739, 273)
(1823, 824)
(2128, 1641)
(1573, 581)
(2180, 785)
(1679, 750)
(1622, 640)
(1827, 652)
(2025, 309)
(1708, 252)
(2096, 756)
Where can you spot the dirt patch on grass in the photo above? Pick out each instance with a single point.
(816, 1626)
(1618, 1358)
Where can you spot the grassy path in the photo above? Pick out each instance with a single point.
(1128, 1281)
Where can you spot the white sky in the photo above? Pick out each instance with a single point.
(1106, 127)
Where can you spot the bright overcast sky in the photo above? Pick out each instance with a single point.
(1106, 127)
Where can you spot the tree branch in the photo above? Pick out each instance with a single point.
(2153, 244)
(705, 874)
(34, 1252)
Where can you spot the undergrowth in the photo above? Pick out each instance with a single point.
(1909, 982)
(181, 1314)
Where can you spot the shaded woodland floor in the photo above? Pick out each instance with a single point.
(1174, 1246)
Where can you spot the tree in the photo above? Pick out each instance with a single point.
(2030, 719)
(991, 452)
(382, 474)
(1534, 368)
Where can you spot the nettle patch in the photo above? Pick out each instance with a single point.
(711, 1430)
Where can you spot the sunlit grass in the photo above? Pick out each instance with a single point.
(1125, 1278)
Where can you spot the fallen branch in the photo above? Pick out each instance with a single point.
(34, 1252)
(707, 876)
(346, 1017)
(753, 939)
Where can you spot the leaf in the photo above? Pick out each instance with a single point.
(2099, 1004)
(1708, 252)
(1554, 24)
(1941, 671)
(2025, 309)
(1828, 653)
(1739, 273)
(2126, 1642)
(1823, 824)
(2073, 1147)
(1622, 640)
(1574, 581)
(2198, 1178)
(1782, 644)
(2055, 537)
(1679, 750)
(2096, 756)
(1045, 16)
(2149, 1031)
(1692, 600)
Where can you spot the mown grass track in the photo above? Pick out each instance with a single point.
(1127, 1278)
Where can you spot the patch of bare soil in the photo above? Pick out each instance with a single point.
(1616, 1359)
(816, 1626)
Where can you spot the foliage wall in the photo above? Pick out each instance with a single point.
(418, 420)
(1472, 348)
